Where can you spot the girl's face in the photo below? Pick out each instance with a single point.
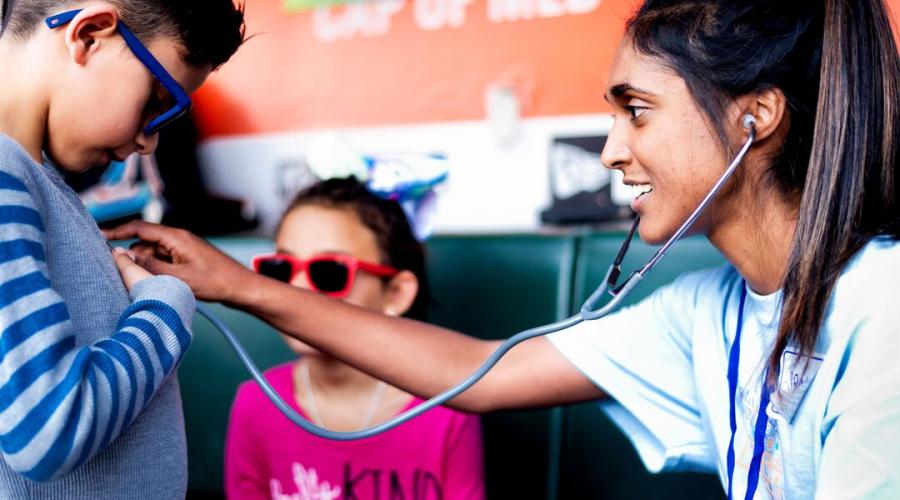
(663, 145)
(314, 230)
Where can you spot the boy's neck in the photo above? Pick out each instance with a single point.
(23, 101)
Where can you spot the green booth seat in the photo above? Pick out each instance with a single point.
(598, 461)
(492, 287)
(487, 286)
(211, 372)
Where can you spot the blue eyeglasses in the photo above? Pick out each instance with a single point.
(182, 100)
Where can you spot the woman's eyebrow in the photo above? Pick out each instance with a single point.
(620, 89)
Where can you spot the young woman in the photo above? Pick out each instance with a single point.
(777, 370)
(340, 240)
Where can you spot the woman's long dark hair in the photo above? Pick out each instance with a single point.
(837, 64)
(397, 245)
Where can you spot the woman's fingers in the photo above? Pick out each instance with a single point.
(134, 229)
(164, 250)
(146, 250)
(156, 266)
(167, 240)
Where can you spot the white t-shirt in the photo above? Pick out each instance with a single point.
(833, 433)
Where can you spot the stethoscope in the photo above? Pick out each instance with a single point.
(587, 313)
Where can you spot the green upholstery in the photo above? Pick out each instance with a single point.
(597, 251)
(492, 287)
(211, 373)
(591, 442)
(489, 286)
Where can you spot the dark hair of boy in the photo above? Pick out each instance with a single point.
(210, 30)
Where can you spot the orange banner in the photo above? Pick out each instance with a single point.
(388, 62)
(401, 64)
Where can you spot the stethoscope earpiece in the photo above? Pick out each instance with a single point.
(749, 121)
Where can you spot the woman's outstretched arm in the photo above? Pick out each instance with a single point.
(417, 357)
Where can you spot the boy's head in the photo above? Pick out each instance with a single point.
(93, 92)
(209, 31)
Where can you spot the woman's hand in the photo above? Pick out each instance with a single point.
(212, 275)
(130, 271)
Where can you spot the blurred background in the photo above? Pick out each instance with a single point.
(511, 91)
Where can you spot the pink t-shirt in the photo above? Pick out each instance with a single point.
(437, 455)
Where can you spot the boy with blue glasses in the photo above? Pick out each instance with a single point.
(89, 406)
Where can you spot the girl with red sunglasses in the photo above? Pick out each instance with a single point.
(341, 241)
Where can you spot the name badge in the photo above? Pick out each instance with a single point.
(797, 374)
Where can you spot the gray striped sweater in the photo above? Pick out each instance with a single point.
(89, 406)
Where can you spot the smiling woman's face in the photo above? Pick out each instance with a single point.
(662, 144)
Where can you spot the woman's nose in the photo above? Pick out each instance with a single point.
(616, 153)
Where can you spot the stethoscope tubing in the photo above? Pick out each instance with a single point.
(587, 313)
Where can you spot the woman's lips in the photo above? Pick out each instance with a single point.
(641, 194)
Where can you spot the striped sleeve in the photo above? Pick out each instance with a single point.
(60, 402)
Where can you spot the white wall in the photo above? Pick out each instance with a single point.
(492, 187)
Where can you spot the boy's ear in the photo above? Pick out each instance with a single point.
(89, 29)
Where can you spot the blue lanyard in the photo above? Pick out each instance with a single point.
(762, 418)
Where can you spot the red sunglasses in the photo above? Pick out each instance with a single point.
(328, 274)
